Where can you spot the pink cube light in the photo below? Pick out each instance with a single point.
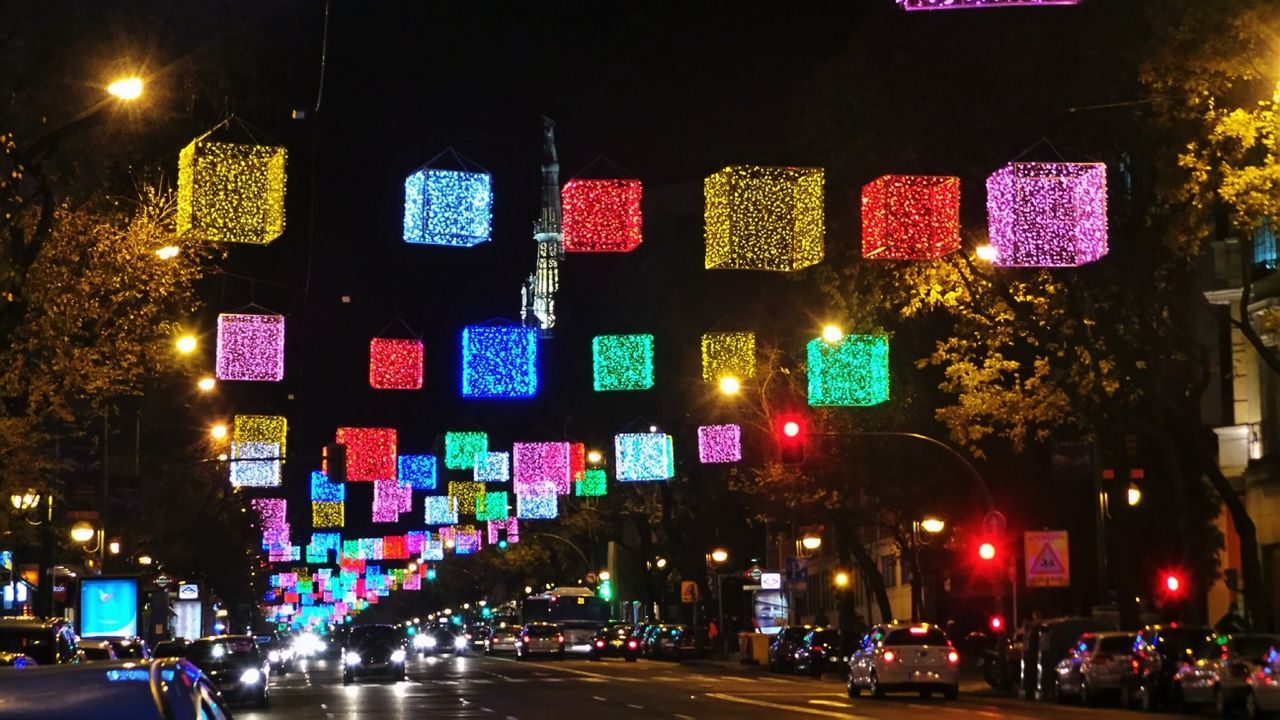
(250, 347)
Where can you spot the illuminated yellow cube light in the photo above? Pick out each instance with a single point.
(231, 192)
(728, 355)
(763, 218)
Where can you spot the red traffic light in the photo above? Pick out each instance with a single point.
(791, 428)
(996, 623)
(791, 439)
(987, 551)
(1172, 583)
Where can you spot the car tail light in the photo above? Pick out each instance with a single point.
(599, 643)
(953, 657)
(632, 644)
(559, 638)
(918, 630)
(889, 656)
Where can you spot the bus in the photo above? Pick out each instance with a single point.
(578, 612)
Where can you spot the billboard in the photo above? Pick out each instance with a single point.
(108, 607)
(188, 620)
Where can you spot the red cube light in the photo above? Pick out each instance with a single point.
(601, 215)
(910, 217)
(371, 453)
(395, 364)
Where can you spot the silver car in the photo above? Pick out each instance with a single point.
(905, 657)
(503, 639)
(1219, 674)
(540, 639)
(1096, 664)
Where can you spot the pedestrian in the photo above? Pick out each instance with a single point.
(1231, 622)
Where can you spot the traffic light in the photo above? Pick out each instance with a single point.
(987, 551)
(791, 438)
(431, 573)
(996, 623)
(1173, 585)
(605, 590)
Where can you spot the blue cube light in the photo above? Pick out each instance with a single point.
(324, 491)
(499, 361)
(441, 510)
(417, 471)
(641, 457)
(493, 467)
(448, 207)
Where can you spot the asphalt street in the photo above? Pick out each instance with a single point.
(503, 689)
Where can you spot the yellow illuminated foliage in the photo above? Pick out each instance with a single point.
(764, 218)
(229, 192)
(728, 354)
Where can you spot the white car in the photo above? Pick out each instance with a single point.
(905, 657)
(1263, 696)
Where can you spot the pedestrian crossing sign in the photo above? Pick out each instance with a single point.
(1048, 558)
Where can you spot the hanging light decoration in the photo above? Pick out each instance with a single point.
(499, 361)
(577, 461)
(764, 218)
(511, 526)
(1048, 214)
(417, 471)
(728, 355)
(542, 462)
(854, 370)
(448, 207)
(622, 362)
(467, 540)
(390, 499)
(441, 510)
(469, 497)
(494, 506)
(250, 347)
(537, 507)
(328, 502)
(493, 467)
(601, 215)
(594, 483)
(228, 192)
(328, 514)
(462, 447)
(395, 364)
(371, 453)
(322, 543)
(910, 217)
(719, 444)
(394, 548)
(257, 447)
(910, 5)
(643, 456)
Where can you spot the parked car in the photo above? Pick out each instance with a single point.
(649, 643)
(502, 639)
(540, 638)
(48, 642)
(903, 657)
(1048, 645)
(97, 651)
(782, 649)
(131, 648)
(577, 636)
(1219, 674)
(1263, 698)
(235, 666)
(1158, 652)
(1095, 665)
(610, 641)
(170, 649)
(818, 653)
(164, 689)
(374, 650)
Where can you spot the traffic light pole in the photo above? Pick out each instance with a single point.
(978, 481)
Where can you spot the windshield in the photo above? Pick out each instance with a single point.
(217, 652)
(826, 637)
(364, 633)
(543, 631)
(619, 630)
(38, 645)
(1116, 644)
(916, 636)
(127, 649)
(792, 634)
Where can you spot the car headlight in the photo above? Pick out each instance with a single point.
(397, 656)
(251, 676)
(460, 642)
(352, 659)
(430, 643)
(419, 642)
(273, 656)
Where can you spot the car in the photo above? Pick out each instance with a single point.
(1158, 652)
(1051, 641)
(374, 650)
(540, 638)
(502, 639)
(905, 657)
(279, 653)
(1263, 698)
(1095, 666)
(130, 648)
(448, 641)
(16, 660)
(578, 635)
(236, 667)
(782, 649)
(47, 641)
(170, 648)
(158, 689)
(475, 637)
(674, 642)
(818, 653)
(97, 651)
(1219, 674)
(610, 641)
(649, 641)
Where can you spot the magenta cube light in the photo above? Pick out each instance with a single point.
(542, 462)
(250, 347)
(1048, 214)
(719, 444)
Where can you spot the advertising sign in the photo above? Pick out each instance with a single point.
(770, 611)
(1048, 558)
(187, 619)
(188, 591)
(770, 581)
(108, 607)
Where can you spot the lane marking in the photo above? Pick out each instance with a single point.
(635, 707)
(779, 706)
(597, 697)
(680, 716)
(832, 703)
(577, 672)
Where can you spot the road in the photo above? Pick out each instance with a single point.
(502, 689)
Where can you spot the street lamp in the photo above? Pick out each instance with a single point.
(933, 525)
(811, 542)
(206, 384)
(186, 344)
(218, 431)
(128, 88)
(26, 500)
(594, 457)
(730, 385)
(842, 579)
(662, 562)
(113, 547)
(145, 559)
(1133, 495)
(832, 333)
(719, 556)
(987, 253)
(82, 532)
(168, 252)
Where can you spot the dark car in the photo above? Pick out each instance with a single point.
(818, 653)
(134, 648)
(782, 649)
(447, 640)
(475, 635)
(649, 641)
(170, 649)
(1220, 674)
(166, 689)
(1048, 642)
(48, 642)
(374, 650)
(1158, 653)
(235, 665)
(97, 651)
(610, 641)
(279, 653)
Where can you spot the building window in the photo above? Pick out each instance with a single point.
(889, 569)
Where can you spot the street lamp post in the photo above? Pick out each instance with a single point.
(715, 560)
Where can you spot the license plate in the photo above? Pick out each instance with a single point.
(377, 664)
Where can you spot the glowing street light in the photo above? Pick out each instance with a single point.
(662, 562)
(842, 579)
(1133, 495)
(987, 253)
(113, 547)
(730, 385)
(218, 432)
(933, 525)
(128, 88)
(25, 500)
(594, 457)
(719, 556)
(206, 384)
(82, 532)
(168, 252)
(186, 344)
(811, 542)
(832, 333)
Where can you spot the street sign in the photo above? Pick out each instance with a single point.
(752, 587)
(688, 592)
(754, 573)
(994, 523)
(188, 591)
(798, 573)
(771, 581)
(1048, 558)
(163, 580)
